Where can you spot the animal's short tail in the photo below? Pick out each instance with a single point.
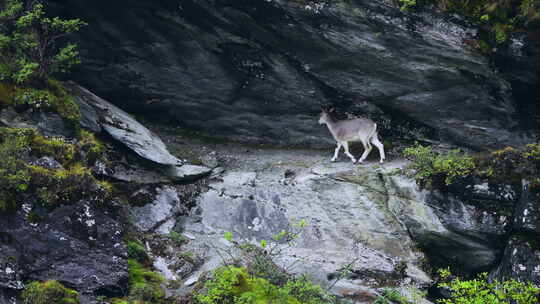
(373, 133)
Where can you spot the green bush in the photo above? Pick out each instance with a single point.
(30, 42)
(49, 292)
(65, 185)
(14, 176)
(144, 284)
(430, 168)
(480, 291)
(235, 285)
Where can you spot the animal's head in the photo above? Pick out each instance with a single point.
(325, 117)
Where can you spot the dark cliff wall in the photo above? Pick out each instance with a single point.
(258, 70)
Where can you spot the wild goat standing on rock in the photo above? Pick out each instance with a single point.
(363, 130)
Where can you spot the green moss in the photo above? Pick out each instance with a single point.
(56, 147)
(49, 292)
(33, 217)
(137, 251)
(65, 186)
(90, 145)
(51, 97)
(235, 285)
(14, 176)
(7, 92)
(144, 284)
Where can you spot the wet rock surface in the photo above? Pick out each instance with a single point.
(79, 245)
(521, 260)
(160, 213)
(258, 71)
(358, 215)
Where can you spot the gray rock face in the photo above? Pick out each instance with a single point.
(358, 216)
(98, 114)
(160, 213)
(49, 124)
(521, 258)
(521, 261)
(477, 236)
(258, 71)
(122, 127)
(527, 213)
(80, 245)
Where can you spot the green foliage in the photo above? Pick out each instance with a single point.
(235, 285)
(429, 167)
(512, 165)
(65, 185)
(137, 251)
(480, 291)
(498, 18)
(406, 4)
(49, 292)
(144, 284)
(50, 97)
(29, 42)
(90, 145)
(391, 296)
(177, 238)
(14, 177)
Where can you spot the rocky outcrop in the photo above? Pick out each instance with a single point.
(98, 115)
(258, 71)
(79, 245)
(521, 258)
(519, 63)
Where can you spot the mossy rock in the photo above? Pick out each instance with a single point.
(49, 292)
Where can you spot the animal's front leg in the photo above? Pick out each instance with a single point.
(336, 152)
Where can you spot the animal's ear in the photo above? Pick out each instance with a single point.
(332, 110)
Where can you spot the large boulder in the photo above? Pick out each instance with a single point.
(100, 115)
(259, 70)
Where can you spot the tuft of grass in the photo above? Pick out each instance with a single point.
(144, 284)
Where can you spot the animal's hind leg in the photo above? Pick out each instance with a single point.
(375, 140)
(336, 152)
(367, 149)
(346, 147)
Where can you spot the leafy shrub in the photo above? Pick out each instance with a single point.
(14, 176)
(512, 165)
(144, 284)
(29, 42)
(430, 168)
(480, 290)
(49, 292)
(65, 185)
(236, 286)
(391, 296)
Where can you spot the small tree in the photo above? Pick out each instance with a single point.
(30, 42)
